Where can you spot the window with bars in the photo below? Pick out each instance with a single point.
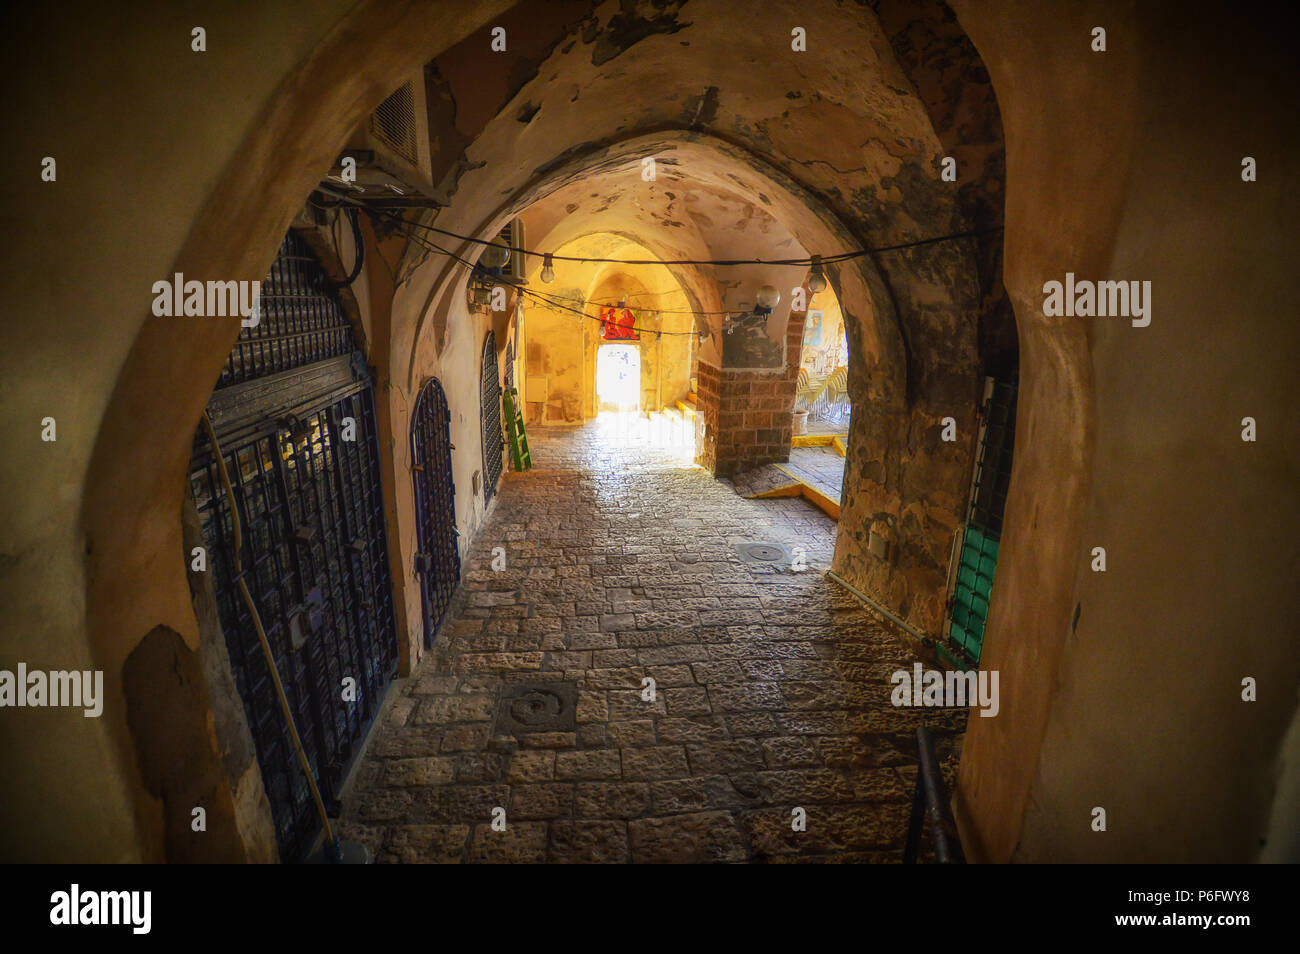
(300, 319)
(438, 560)
(491, 413)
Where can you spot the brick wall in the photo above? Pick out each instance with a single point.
(744, 417)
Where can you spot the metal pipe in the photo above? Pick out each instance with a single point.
(873, 605)
(928, 773)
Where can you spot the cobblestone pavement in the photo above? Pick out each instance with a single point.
(772, 686)
(817, 426)
(822, 467)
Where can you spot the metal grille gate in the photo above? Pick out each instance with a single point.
(294, 412)
(492, 440)
(438, 562)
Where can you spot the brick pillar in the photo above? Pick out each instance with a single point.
(745, 417)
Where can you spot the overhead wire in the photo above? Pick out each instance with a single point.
(547, 300)
(793, 262)
(409, 229)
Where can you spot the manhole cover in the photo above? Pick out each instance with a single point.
(549, 707)
(764, 553)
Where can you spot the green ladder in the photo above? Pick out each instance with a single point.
(520, 457)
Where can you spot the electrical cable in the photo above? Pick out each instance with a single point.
(792, 262)
(546, 300)
(406, 228)
(358, 244)
(331, 839)
(800, 262)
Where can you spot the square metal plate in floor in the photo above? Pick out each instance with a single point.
(777, 556)
(537, 707)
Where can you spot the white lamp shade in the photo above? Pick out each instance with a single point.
(768, 296)
(495, 256)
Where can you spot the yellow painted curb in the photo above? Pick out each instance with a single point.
(789, 490)
(818, 499)
(812, 440)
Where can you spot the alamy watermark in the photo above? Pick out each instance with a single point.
(181, 298)
(934, 688)
(1088, 299)
(58, 688)
(631, 429)
(74, 907)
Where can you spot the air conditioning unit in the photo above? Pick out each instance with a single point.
(487, 275)
(390, 151)
(513, 235)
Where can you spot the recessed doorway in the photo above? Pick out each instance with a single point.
(618, 377)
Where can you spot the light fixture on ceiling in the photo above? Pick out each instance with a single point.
(489, 274)
(767, 299)
(548, 269)
(495, 258)
(817, 280)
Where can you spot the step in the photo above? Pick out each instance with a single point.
(812, 440)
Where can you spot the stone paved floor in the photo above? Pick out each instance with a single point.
(822, 467)
(773, 686)
(817, 426)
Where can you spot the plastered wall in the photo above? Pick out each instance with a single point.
(1123, 689)
(148, 184)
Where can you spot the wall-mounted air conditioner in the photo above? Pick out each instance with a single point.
(390, 151)
(513, 235)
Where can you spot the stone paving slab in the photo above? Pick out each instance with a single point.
(820, 467)
(759, 480)
(772, 689)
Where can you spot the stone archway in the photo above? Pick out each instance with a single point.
(134, 574)
(903, 386)
(913, 361)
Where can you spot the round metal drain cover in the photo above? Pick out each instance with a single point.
(546, 707)
(538, 707)
(763, 553)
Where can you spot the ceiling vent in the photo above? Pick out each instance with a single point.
(393, 124)
(391, 153)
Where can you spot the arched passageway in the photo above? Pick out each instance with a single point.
(840, 147)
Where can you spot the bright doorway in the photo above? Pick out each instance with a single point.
(618, 377)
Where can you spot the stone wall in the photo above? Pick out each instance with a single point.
(744, 417)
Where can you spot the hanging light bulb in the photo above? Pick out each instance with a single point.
(495, 256)
(817, 280)
(548, 269)
(767, 297)
(704, 337)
